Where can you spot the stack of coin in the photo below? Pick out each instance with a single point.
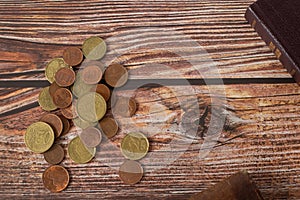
(83, 97)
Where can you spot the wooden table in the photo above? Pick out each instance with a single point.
(261, 132)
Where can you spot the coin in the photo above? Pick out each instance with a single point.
(70, 111)
(66, 125)
(52, 88)
(104, 91)
(131, 172)
(80, 88)
(116, 75)
(91, 107)
(39, 137)
(94, 48)
(45, 100)
(83, 124)
(91, 74)
(91, 137)
(55, 122)
(65, 77)
(79, 153)
(125, 107)
(62, 98)
(55, 154)
(73, 56)
(52, 67)
(56, 178)
(109, 127)
(134, 146)
(97, 63)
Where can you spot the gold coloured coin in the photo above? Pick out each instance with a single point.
(94, 48)
(134, 146)
(52, 67)
(45, 100)
(39, 137)
(91, 107)
(79, 153)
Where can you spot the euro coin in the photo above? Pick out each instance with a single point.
(39, 137)
(56, 178)
(73, 56)
(55, 122)
(131, 172)
(55, 154)
(109, 127)
(52, 67)
(116, 75)
(94, 48)
(65, 77)
(45, 100)
(91, 107)
(79, 153)
(134, 146)
(91, 137)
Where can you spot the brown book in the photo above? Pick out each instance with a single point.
(237, 187)
(278, 24)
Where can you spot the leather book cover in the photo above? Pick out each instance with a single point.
(278, 24)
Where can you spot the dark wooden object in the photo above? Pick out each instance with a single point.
(262, 130)
(236, 187)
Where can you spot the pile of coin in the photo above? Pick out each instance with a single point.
(83, 97)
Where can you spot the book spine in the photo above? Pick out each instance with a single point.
(273, 43)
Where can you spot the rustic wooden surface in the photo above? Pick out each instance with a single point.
(261, 134)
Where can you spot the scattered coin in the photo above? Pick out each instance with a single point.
(109, 127)
(52, 67)
(66, 125)
(134, 146)
(55, 154)
(94, 48)
(125, 107)
(104, 91)
(79, 153)
(52, 88)
(62, 98)
(45, 100)
(70, 111)
(91, 137)
(131, 172)
(65, 77)
(80, 88)
(39, 137)
(116, 75)
(73, 56)
(91, 107)
(55, 122)
(56, 178)
(91, 74)
(78, 122)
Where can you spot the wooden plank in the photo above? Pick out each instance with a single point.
(261, 135)
(44, 29)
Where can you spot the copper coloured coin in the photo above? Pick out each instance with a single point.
(62, 98)
(73, 56)
(125, 107)
(55, 154)
(116, 75)
(104, 91)
(52, 88)
(56, 178)
(109, 127)
(55, 122)
(91, 74)
(65, 77)
(131, 172)
(66, 125)
(70, 111)
(91, 137)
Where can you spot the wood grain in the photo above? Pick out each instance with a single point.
(261, 132)
(44, 29)
(260, 136)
